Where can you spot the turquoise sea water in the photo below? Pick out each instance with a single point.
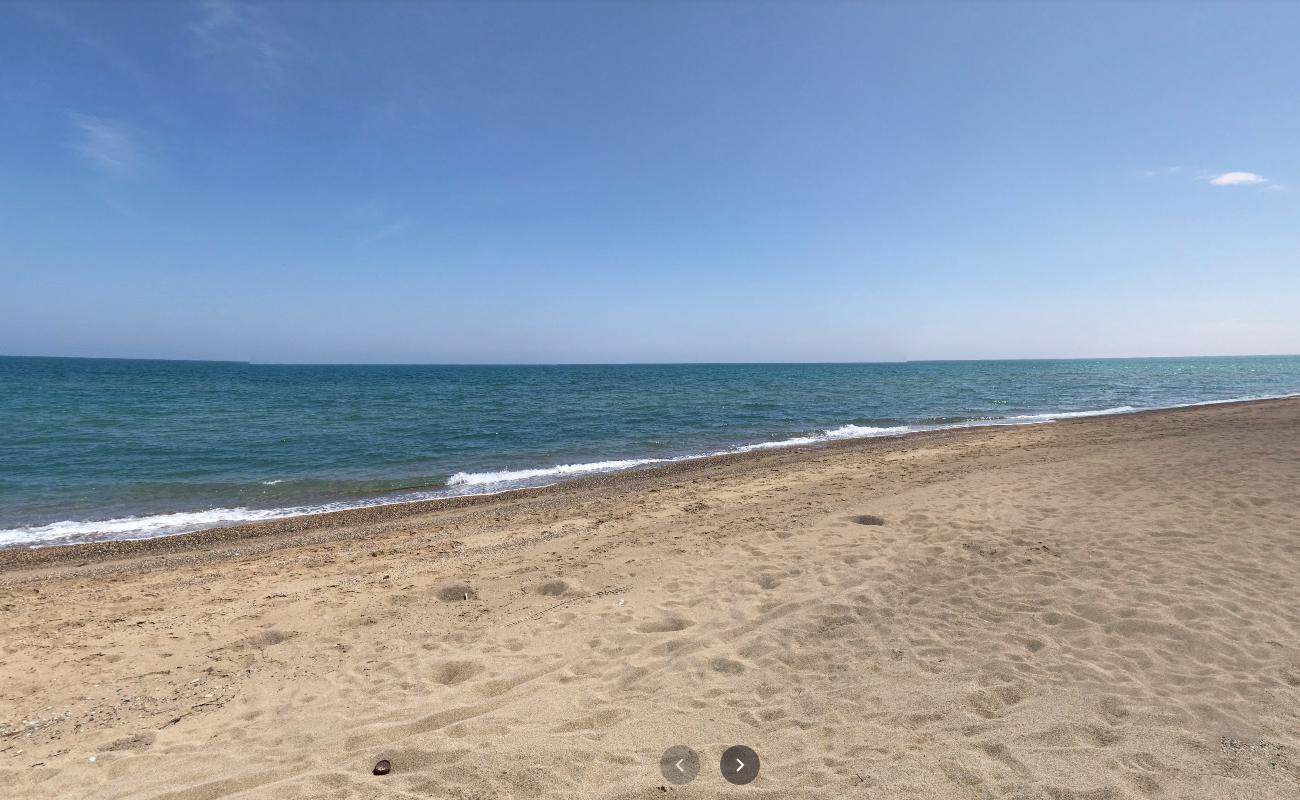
(94, 449)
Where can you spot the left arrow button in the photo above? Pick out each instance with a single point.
(679, 764)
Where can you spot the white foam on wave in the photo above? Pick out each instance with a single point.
(842, 432)
(1101, 412)
(124, 528)
(1236, 400)
(519, 476)
(557, 471)
(464, 483)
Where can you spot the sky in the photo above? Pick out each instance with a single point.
(637, 182)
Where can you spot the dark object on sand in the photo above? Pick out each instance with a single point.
(383, 768)
(868, 519)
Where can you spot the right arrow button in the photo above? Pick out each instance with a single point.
(739, 764)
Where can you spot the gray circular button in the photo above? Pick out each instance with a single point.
(679, 764)
(739, 765)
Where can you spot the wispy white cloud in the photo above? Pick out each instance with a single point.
(1163, 172)
(387, 232)
(241, 43)
(373, 221)
(107, 145)
(1213, 178)
(65, 19)
(1237, 179)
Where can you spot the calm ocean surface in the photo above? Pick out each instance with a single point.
(96, 449)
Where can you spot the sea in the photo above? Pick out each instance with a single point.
(107, 449)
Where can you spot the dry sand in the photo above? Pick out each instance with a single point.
(1102, 608)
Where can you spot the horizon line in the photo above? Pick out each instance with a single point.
(634, 363)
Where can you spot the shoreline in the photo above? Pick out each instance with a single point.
(1092, 608)
(267, 472)
(16, 558)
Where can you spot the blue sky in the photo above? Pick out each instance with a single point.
(505, 182)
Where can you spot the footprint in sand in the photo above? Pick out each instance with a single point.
(993, 703)
(727, 666)
(269, 638)
(451, 673)
(665, 625)
(456, 593)
(553, 588)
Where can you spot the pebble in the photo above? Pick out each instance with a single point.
(382, 768)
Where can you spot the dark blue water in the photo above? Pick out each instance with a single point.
(99, 449)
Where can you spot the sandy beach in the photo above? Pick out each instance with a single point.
(1095, 609)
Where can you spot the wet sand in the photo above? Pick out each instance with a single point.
(1099, 608)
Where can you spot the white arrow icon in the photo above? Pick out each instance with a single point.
(679, 765)
(741, 763)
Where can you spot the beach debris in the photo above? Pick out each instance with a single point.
(137, 741)
(867, 519)
(382, 768)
